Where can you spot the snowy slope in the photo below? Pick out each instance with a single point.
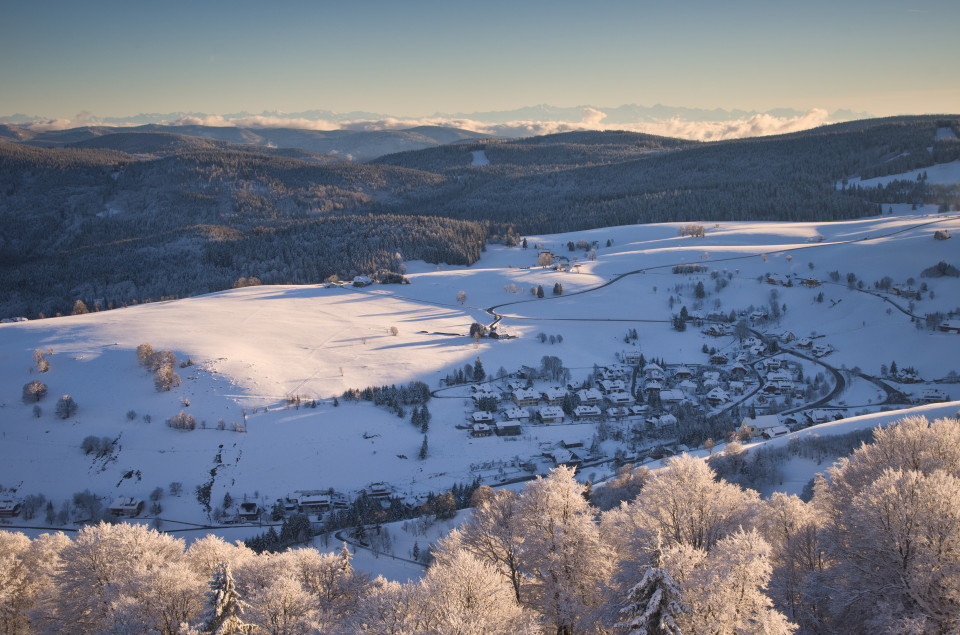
(254, 348)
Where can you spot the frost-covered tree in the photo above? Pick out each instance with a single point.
(892, 528)
(569, 566)
(688, 506)
(104, 564)
(66, 407)
(40, 361)
(461, 594)
(34, 391)
(493, 534)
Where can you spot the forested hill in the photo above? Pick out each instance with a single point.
(581, 180)
(124, 214)
(100, 224)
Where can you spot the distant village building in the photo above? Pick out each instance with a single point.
(590, 396)
(507, 429)
(525, 397)
(481, 430)
(248, 511)
(481, 416)
(516, 414)
(550, 414)
(586, 413)
(554, 396)
(126, 507)
(9, 508)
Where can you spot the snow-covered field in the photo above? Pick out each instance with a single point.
(254, 349)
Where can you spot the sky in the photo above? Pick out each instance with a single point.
(70, 60)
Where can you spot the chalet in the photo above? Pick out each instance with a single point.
(516, 384)
(620, 398)
(752, 341)
(672, 397)
(481, 417)
(780, 376)
(716, 330)
(639, 410)
(9, 508)
(248, 511)
(550, 414)
(362, 281)
(315, 502)
(805, 342)
(524, 397)
(688, 386)
(908, 376)
(736, 387)
(771, 389)
(796, 420)
(507, 429)
(784, 281)
(761, 423)
(711, 378)
(631, 357)
(586, 413)
(653, 371)
(571, 445)
(739, 370)
(950, 326)
(717, 397)
(775, 431)
(380, 491)
(905, 291)
(810, 282)
(574, 386)
(481, 430)
(618, 413)
(565, 458)
(482, 392)
(554, 396)
(758, 316)
(662, 424)
(608, 386)
(590, 396)
(682, 372)
(126, 507)
(652, 386)
(786, 337)
(719, 359)
(932, 395)
(527, 372)
(820, 415)
(822, 350)
(516, 414)
(771, 364)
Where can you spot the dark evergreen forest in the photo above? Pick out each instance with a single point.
(117, 217)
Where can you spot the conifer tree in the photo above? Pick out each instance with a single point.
(224, 605)
(654, 602)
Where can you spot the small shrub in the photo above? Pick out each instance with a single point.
(131, 415)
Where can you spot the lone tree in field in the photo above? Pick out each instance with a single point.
(34, 391)
(66, 407)
(558, 289)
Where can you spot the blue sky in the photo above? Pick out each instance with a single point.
(416, 58)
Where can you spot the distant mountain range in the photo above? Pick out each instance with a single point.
(624, 114)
